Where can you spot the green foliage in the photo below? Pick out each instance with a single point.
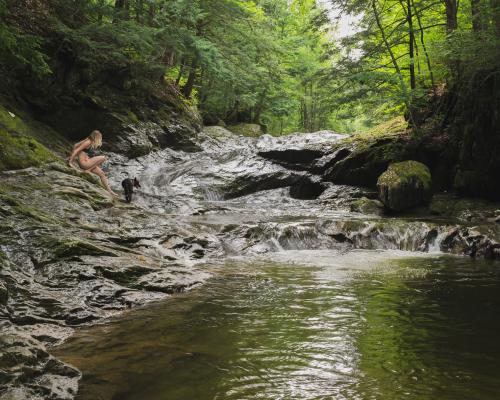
(20, 50)
(278, 63)
(403, 51)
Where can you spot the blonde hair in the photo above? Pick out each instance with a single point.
(95, 138)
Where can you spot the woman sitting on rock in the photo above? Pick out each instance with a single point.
(88, 161)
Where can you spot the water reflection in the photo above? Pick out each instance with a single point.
(362, 325)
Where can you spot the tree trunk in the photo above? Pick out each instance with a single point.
(127, 9)
(188, 87)
(388, 46)
(417, 57)
(305, 113)
(151, 13)
(424, 47)
(138, 11)
(258, 109)
(451, 8)
(402, 83)
(122, 8)
(477, 20)
(313, 108)
(181, 72)
(411, 42)
(99, 12)
(495, 9)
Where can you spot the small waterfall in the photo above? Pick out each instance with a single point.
(302, 237)
(277, 244)
(272, 237)
(212, 194)
(435, 245)
(408, 237)
(390, 235)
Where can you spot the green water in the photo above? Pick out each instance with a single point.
(307, 325)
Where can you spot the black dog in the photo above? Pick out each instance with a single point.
(128, 186)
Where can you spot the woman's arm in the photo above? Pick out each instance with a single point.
(85, 144)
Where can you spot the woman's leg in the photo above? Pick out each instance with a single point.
(104, 180)
(91, 163)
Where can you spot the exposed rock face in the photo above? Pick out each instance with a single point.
(134, 120)
(71, 256)
(135, 139)
(351, 233)
(474, 121)
(405, 185)
(368, 157)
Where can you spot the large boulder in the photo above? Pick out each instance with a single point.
(405, 185)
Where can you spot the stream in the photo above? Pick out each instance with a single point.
(307, 300)
(307, 325)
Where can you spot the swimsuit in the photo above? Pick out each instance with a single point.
(89, 152)
(92, 153)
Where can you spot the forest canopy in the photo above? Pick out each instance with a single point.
(279, 63)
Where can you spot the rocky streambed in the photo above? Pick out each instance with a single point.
(70, 256)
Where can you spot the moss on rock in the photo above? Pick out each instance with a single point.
(405, 185)
(463, 208)
(18, 207)
(75, 247)
(367, 206)
(94, 198)
(18, 147)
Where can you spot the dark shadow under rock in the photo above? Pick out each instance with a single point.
(307, 190)
(296, 159)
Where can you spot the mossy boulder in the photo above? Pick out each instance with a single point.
(405, 185)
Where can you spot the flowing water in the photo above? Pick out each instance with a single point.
(307, 324)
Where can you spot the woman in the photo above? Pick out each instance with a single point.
(84, 151)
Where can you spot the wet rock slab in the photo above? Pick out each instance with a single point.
(70, 256)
